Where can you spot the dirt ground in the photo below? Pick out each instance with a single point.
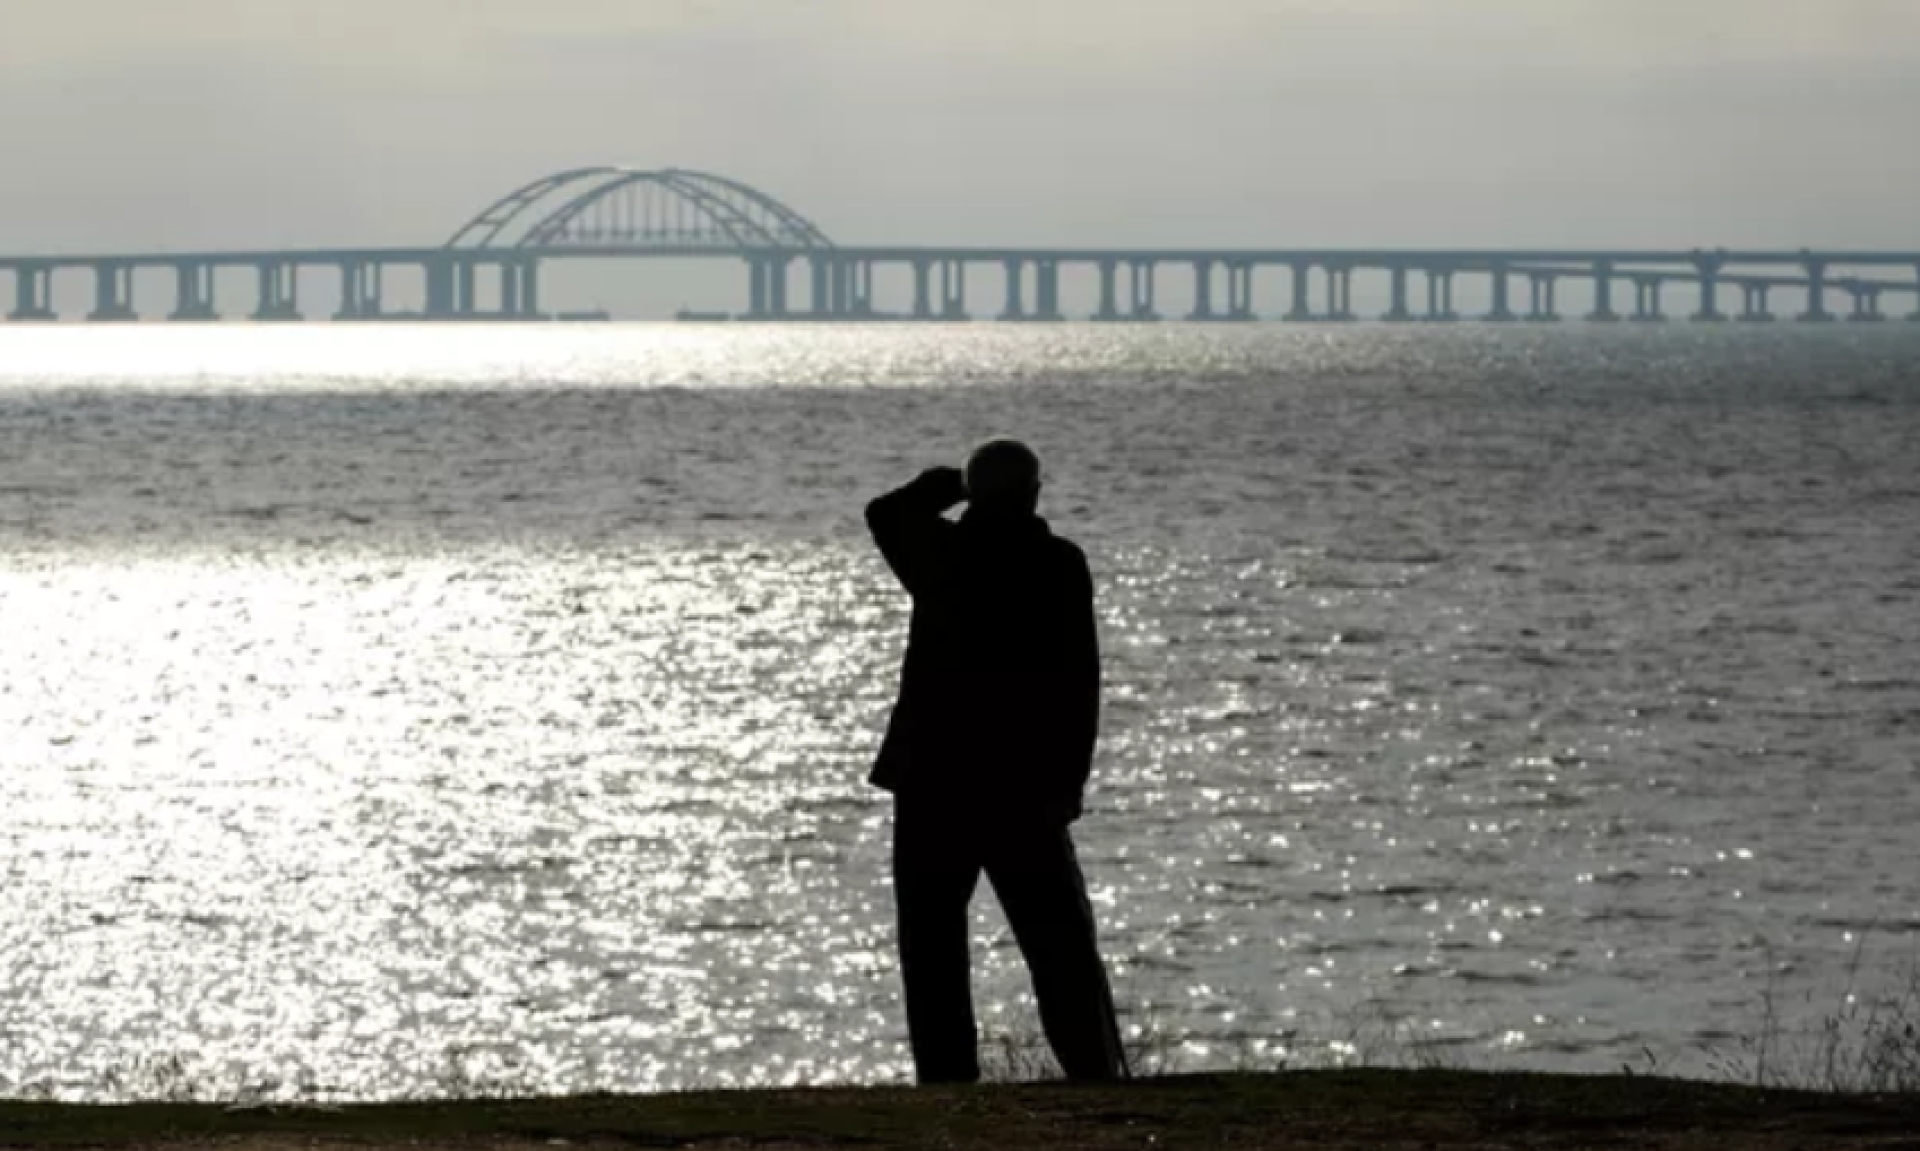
(1324, 1111)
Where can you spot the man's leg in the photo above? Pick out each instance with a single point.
(1037, 878)
(934, 872)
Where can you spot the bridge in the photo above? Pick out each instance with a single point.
(490, 269)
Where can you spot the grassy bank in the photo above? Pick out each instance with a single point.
(1363, 1108)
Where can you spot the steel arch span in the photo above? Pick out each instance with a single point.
(639, 210)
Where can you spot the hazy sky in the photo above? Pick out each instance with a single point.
(155, 123)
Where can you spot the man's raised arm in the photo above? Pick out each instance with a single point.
(906, 523)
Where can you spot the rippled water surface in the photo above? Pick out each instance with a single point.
(392, 710)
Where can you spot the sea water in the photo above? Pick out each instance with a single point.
(389, 711)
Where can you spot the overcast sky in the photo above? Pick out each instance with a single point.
(163, 123)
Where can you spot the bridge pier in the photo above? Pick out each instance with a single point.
(452, 283)
(1709, 269)
(1542, 286)
(1047, 289)
(1440, 296)
(453, 290)
(777, 305)
(360, 290)
(1240, 291)
(766, 287)
(1502, 307)
(1140, 282)
(1397, 309)
(1603, 312)
(1109, 306)
(1866, 304)
(511, 272)
(1340, 294)
(1646, 299)
(509, 288)
(848, 288)
(439, 276)
(529, 288)
(1816, 312)
(33, 293)
(922, 289)
(953, 289)
(193, 292)
(1753, 304)
(1016, 307)
(756, 287)
(831, 289)
(820, 286)
(1301, 310)
(112, 292)
(862, 274)
(279, 291)
(1202, 291)
(844, 275)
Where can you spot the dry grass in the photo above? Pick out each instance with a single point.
(1866, 1041)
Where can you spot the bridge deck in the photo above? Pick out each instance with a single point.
(1475, 258)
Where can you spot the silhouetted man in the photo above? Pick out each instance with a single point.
(987, 754)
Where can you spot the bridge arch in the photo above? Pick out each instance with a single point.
(638, 209)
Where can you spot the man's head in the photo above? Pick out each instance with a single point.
(1003, 476)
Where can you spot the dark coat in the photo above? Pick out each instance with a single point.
(1000, 689)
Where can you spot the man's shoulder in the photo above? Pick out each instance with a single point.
(1066, 547)
(1070, 560)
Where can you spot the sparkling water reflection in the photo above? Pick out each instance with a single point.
(388, 710)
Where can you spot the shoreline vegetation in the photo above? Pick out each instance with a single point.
(1288, 1109)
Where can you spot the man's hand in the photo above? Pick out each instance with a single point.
(948, 485)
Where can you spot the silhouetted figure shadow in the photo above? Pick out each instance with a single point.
(987, 753)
